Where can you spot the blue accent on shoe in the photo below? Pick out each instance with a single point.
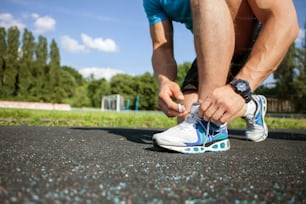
(258, 117)
(201, 132)
(216, 133)
(220, 136)
(257, 129)
(194, 136)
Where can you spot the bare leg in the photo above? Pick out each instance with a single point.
(190, 97)
(214, 40)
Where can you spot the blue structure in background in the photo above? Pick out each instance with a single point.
(137, 103)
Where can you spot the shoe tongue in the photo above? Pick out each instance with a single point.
(195, 108)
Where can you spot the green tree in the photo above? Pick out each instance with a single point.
(182, 70)
(300, 82)
(96, 89)
(3, 50)
(39, 88)
(57, 92)
(123, 84)
(77, 76)
(285, 75)
(81, 98)
(26, 62)
(11, 68)
(67, 83)
(146, 88)
(54, 64)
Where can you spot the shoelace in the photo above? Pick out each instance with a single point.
(207, 132)
(194, 118)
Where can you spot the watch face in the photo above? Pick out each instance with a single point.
(241, 86)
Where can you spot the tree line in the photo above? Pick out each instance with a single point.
(30, 70)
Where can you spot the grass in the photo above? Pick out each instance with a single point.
(115, 119)
(82, 118)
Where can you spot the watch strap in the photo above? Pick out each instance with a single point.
(246, 94)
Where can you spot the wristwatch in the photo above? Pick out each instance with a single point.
(242, 88)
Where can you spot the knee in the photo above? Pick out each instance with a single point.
(200, 3)
(202, 8)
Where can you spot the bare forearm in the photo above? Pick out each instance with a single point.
(164, 65)
(277, 35)
(166, 71)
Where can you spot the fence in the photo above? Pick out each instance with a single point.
(34, 105)
(279, 106)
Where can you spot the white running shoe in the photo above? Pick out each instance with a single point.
(257, 129)
(194, 135)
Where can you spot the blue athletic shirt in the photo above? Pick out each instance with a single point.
(174, 10)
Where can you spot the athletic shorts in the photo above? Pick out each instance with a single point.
(191, 80)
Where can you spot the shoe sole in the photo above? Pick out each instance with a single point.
(263, 119)
(264, 110)
(219, 146)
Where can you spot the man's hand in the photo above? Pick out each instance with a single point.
(222, 105)
(169, 91)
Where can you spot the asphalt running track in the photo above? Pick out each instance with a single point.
(110, 165)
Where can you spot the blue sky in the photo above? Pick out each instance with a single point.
(100, 36)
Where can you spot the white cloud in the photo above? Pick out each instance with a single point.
(43, 24)
(71, 45)
(99, 73)
(7, 20)
(35, 15)
(88, 43)
(106, 45)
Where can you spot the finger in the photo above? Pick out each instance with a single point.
(162, 106)
(236, 115)
(178, 94)
(209, 113)
(174, 107)
(225, 118)
(217, 116)
(204, 106)
(166, 103)
(170, 112)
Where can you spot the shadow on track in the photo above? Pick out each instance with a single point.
(144, 136)
(283, 134)
(141, 136)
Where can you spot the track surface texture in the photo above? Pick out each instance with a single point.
(111, 165)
